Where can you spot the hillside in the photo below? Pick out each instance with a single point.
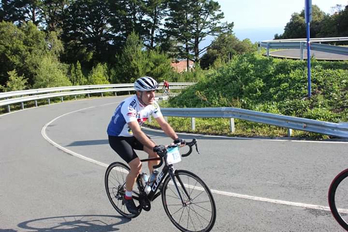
(272, 85)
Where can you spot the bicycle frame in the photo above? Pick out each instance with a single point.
(196, 205)
(167, 170)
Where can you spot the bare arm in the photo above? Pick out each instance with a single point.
(166, 127)
(140, 135)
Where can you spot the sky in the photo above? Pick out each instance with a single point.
(260, 20)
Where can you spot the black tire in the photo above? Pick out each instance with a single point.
(115, 186)
(338, 201)
(200, 212)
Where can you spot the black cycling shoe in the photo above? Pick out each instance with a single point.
(131, 206)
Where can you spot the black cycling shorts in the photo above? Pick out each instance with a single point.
(124, 147)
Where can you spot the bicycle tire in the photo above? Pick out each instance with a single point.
(337, 198)
(200, 212)
(115, 186)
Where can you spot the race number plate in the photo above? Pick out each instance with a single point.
(173, 155)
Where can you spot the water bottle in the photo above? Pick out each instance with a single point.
(147, 188)
(153, 176)
(145, 179)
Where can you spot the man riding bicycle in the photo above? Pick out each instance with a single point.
(125, 134)
(166, 86)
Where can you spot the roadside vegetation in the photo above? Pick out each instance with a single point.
(88, 42)
(270, 85)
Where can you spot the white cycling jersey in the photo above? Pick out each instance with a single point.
(131, 110)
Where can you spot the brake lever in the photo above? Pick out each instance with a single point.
(197, 148)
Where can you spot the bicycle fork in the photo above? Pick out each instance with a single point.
(172, 176)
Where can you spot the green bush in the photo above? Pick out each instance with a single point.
(272, 85)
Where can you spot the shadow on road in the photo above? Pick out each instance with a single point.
(88, 143)
(76, 223)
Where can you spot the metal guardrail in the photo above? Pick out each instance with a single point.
(313, 40)
(328, 128)
(16, 97)
(58, 89)
(301, 44)
(330, 49)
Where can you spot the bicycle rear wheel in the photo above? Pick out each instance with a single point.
(115, 185)
(338, 199)
(198, 212)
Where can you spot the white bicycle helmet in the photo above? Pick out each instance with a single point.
(145, 84)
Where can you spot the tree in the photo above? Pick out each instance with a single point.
(12, 50)
(131, 64)
(50, 73)
(12, 11)
(297, 28)
(158, 65)
(179, 24)
(53, 14)
(223, 48)
(342, 22)
(15, 82)
(21, 48)
(127, 16)
(191, 21)
(98, 75)
(86, 32)
(76, 75)
(155, 11)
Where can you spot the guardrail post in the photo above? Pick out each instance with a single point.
(232, 128)
(301, 50)
(62, 99)
(193, 124)
(35, 103)
(268, 45)
(289, 132)
(9, 108)
(102, 94)
(22, 103)
(115, 93)
(49, 101)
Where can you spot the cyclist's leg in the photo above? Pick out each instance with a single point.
(135, 168)
(123, 147)
(138, 146)
(151, 154)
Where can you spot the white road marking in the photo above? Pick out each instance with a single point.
(224, 193)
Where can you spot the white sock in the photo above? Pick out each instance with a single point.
(129, 194)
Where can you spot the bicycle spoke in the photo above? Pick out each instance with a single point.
(115, 178)
(196, 211)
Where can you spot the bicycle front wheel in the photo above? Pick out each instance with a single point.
(338, 200)
(115, 185)
(197, 211)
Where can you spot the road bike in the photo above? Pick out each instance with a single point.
(186, 199)
(338, 200)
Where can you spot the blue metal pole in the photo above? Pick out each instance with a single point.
(308, 16)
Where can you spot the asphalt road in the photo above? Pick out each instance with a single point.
(258, 184)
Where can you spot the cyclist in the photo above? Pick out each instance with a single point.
(166, 86)
(125, 134)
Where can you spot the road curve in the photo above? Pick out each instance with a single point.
(258, 185)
